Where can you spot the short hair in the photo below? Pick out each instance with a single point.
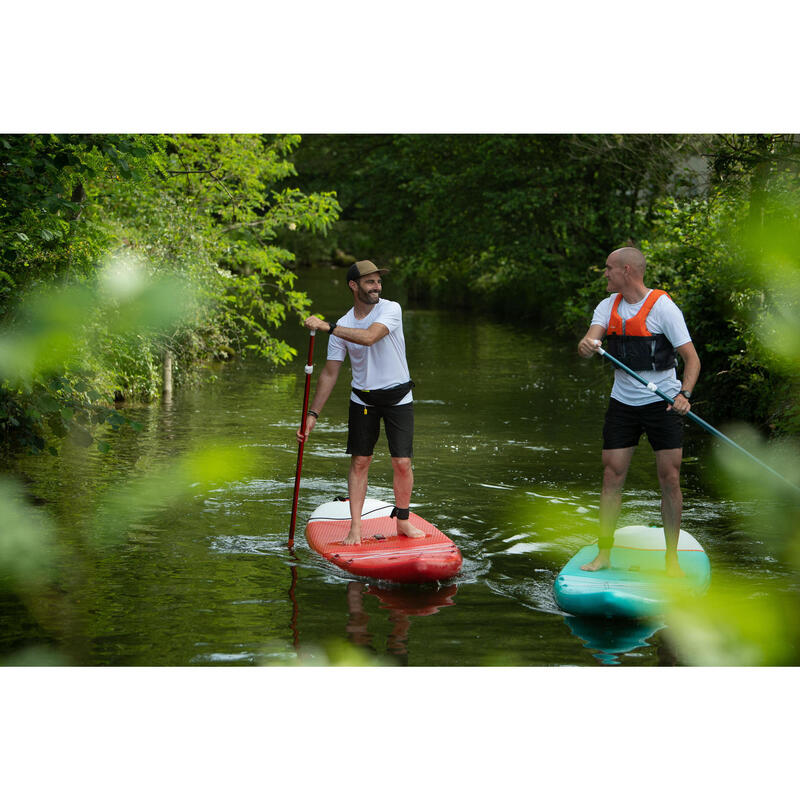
(632, 256)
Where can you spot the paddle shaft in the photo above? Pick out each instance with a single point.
(701, 422)
(309, 369)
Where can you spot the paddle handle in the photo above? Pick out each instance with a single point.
(309, 368)
(701, 422)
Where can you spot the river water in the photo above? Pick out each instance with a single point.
(506, 463)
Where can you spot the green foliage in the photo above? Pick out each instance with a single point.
(54, 357)
(215, 217)
(503, 215)
(48, 182)
(186, 225)
(738, 284)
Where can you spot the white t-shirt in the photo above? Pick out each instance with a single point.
(664, 317)
(378, 366)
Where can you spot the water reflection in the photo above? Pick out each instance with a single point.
(611, 638)
(402, 603)
(295, 607)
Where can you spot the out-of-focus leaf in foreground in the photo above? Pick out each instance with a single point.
(27, 540)
(737, 624)
(778, 503)
(186, 477)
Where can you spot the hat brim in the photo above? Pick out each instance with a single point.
(380, 271)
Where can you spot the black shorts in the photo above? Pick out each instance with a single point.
(624, 425)
(364, 425)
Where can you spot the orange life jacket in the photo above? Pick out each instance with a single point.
(630, 341)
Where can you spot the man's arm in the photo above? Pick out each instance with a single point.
(327, 380)
(691, 372)
(365, 336)
(587, 346)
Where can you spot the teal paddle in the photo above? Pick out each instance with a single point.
(701, 422)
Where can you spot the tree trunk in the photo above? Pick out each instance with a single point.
(167, 385)
(758, 183)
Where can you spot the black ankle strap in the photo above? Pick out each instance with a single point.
(400, 513)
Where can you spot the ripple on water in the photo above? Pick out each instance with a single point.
(535, 593)
(224, 658)
(263, 487)
(328, 451)
(527, 547)
(249, 545)
(472, 570)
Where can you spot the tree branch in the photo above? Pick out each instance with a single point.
(192, 171)
(253, 224)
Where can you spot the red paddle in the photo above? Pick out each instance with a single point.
(309, 369)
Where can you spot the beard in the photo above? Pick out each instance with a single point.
(367, 297)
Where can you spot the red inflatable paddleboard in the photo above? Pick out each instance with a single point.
(382, 554)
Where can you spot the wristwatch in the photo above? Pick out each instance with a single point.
(332, 326)
(686, 394)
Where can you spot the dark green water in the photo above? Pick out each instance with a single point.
(506, 463)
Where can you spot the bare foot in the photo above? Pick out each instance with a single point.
(601, 561)
(405, 528)
(673, 568)
(353, 537)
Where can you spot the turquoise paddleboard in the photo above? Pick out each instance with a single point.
(636, 584)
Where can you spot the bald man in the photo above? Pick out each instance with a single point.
(644, 331)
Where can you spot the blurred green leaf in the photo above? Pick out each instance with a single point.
(36, 657)
(49, 333)
(742, 478)
(334, 653)
(185, 478)
(27, 540)
(736, 624)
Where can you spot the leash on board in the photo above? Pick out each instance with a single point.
(309, 368)
(701, 422)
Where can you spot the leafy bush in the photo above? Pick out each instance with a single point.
(198, 216)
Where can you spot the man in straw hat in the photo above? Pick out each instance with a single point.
(371, 333)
